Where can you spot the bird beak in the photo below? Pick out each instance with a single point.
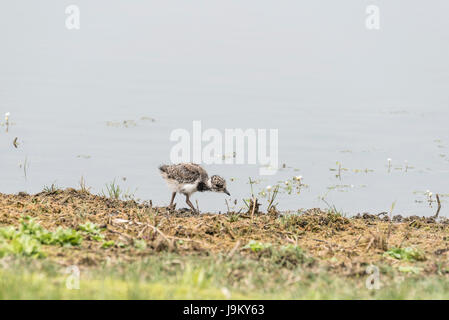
(227, 192)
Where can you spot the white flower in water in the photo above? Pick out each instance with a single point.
(7, 114)
(298, 178)
(269, 188)
(430, 194)
(287, 182)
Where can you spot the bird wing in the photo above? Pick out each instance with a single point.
(203, 173)
(186, 172)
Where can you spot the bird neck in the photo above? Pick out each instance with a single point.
(204, 186)
(209, 183)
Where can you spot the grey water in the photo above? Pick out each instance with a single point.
(336, 92)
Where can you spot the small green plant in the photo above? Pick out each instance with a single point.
(113, 190)
(407, 254)
(27, 239)
(22, 245)
(290, 255)
(65, 237)
(83, 186)
(272, 197)
(92, 230)
(233, 217)
(53, 188)
(332, 209)
(256, 246)
(409, 269)
(338, 170)
(292, 248)
(288, 220)
(251, 202)
(108, 244)
(140, 244)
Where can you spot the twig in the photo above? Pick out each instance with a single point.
(369, 244)
(357, 241)
(170, 237)
(254, 208)
(251, 185)
(142, 231)
(439, 205)
(391, 222)
(234, 249)
(405, 237)
(273, 197)
(158, 231)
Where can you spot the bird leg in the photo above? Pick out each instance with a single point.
(190, 204)
(172, 200)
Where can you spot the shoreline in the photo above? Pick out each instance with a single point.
(92, 231)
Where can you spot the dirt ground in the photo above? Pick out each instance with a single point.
(339, 244)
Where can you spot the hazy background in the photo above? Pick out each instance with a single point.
(335, 90)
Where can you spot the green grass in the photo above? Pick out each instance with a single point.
(53, 188)
(172, 276)
(114, 191)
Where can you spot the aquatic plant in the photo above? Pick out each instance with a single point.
(7, 114)
(339, 170)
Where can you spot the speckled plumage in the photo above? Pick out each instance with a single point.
(184, 172)
(187, 178)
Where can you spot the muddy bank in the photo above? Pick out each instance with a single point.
(337, 243)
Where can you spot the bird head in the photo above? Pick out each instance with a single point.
(218, 184)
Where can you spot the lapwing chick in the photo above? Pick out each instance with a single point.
(187, 178)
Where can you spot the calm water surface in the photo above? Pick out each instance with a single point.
(333, 89)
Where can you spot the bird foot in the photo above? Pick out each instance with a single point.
(188, 210)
